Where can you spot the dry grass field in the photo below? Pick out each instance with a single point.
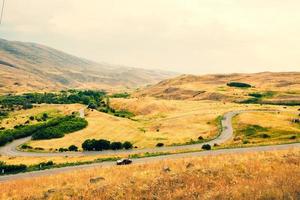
(285, 87)
(21, 116)
(264, 175)
(265, 128)
(156, 120)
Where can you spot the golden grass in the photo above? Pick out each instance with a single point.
(166, 121)
(21, 116)
(214, 87)
(278, 126)
(264, 175)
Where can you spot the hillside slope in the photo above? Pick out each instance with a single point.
(276, 86)
(30, 67)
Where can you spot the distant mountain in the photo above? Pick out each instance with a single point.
(273, 86)
(34, 67)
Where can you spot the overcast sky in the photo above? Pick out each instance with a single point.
(189, 36)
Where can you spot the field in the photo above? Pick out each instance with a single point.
(241, 176)
(265, 128)
(21, 116)
(166, 121)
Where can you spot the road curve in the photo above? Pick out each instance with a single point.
(150, 159)
(226, 134)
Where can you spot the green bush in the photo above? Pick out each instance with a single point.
(159, 144)
(58, 127)
(127, 145)
(52, 129)
(206, 147)
(11, 169)
(238, 84)
(73, 148)
(116, 145)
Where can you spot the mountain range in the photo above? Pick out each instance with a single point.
(35, 67)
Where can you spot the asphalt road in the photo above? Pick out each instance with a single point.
(226, 134)
(11, 148)
(149, 159)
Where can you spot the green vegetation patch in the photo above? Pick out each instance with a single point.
(239, 85)
(58, 127)
(51, 129)
(124, 95)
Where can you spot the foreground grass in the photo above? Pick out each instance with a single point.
(270, 175)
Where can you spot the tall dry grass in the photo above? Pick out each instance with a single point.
(270, 175)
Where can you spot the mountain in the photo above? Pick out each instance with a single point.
(35, 67)
(277, 87)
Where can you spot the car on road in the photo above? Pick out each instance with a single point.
(124, 161)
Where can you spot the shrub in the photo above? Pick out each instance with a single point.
(73, 148)
(200, 138)
(159, 144)
(9, 169)
(88, 145)
(238, 84)
(206, 147)
(293, 137)
(264, 135)
(25, 146)
(116, 145)
(102, 145)
(127, 145)
(31, 118)
(58, 127)
(62, 149)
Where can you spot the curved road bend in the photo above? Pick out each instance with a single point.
(227, 133)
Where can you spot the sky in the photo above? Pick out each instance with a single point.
(186, 36)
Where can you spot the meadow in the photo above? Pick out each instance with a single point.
(170, 122)
(264, 175)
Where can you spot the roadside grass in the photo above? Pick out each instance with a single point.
(241, 176)
(264, 128)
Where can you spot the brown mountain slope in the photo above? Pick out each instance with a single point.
(277, 86)
(31, 67)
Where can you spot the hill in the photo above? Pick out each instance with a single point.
(276, 87)
(32, 67)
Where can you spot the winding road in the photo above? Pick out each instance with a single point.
(227, 132)
(225, 135)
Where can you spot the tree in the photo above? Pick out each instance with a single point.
(88, 145)
(206, 147)
(73, 148)
(127, 145)
(159, 144)
(116, 145)
(102, 145)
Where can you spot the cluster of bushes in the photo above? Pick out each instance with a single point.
(239, 84)
(93, 99)
(71, 148)
(256, 97)
(64, 97)
(58, 127)
(121, 95)
(3, 114)
(51, 129)
(99, 145)
(9, 169)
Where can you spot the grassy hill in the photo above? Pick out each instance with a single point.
(266, 86)
(32, 67)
